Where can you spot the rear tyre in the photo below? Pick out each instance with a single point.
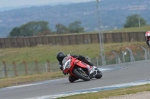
(81, 74)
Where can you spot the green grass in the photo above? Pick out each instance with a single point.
(44, 53)
(5, 82)
(133, 29)
(110, 93)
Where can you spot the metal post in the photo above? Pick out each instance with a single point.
(15, 69)
(115, 56)
(48, 65)
(97, 61)
(139, 17)
(139, 20)
(37, 69)
(101, 40)
(5, 68)
(26, 68)
(123, 53)
(131, 55)
(118, 61)
(146, 54)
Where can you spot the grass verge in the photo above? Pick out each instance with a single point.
(110, 93)
(5, 82)
(44, 53)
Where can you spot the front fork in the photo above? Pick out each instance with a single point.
(94, 71)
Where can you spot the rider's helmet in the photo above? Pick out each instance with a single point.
(147, 34)
(60, 56)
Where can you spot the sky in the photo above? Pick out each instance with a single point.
(18, 3)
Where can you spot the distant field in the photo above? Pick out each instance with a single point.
(133, 29)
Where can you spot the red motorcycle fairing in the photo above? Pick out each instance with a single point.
(76, 62)
(81, 64)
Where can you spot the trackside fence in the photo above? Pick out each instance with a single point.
(72, 39)
(14, 69)
(27, 68)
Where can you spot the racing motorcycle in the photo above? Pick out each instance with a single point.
(79, 70)
(148, 42)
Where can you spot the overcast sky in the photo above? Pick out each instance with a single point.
(12, 3)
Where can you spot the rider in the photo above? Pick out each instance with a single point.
(147, 35)
(61, 56)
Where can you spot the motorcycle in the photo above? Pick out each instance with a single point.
(148, 42)
(79, 70)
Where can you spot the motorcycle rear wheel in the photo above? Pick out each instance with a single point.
(81, 74)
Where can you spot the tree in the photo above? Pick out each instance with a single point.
(15, 32)
(60, 28)
(30, 29)
(75, 27)
(133, 21)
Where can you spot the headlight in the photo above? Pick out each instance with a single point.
(67, 64)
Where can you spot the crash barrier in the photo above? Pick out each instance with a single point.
(27, 68)
(86, 38)
(124, 56)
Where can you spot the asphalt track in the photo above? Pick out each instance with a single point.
(112, 75)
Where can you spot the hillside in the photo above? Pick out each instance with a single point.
(113, 14)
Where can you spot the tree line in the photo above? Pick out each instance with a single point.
(42, 28)
(30, 29)
(34, 28)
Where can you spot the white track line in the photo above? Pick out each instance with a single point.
(92, 90)
(39, 83)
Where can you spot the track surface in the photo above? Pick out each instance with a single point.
(117, 74)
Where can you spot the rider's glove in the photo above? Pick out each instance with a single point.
(64, 73)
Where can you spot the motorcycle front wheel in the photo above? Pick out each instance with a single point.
(82, 74)
(99, 75)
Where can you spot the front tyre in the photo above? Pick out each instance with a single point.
(81, 74)
(99, 75)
